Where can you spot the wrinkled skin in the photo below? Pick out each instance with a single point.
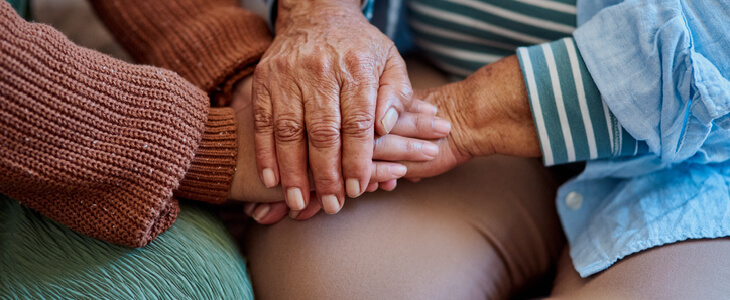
(489, 113)
(406, 142)
(328, 83)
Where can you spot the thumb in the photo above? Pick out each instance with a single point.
(394, 93)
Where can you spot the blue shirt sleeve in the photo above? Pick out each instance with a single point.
(662, 68)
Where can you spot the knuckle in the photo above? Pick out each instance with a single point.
(359, 124)
(406, 93)
(327, 181)
(412, 147)
(282, 64)
(380, 171)
(317, 65)
(359, 62)
(287, 129)
(262, 121)
(324, 134)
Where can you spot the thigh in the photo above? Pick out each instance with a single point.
(696, 269)
(194, 259)
(484, 230)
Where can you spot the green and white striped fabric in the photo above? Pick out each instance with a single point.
(573, 122)
(461, 36)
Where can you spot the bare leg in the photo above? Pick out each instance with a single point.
(698, 269)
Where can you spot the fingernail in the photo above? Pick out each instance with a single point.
(248, 209)
(389, 120)
(294, 214)
(398, 170)
(441, 126)
(430, 149)
(269, 179)
(294, 199)
(352, 186)
(261, 212)
(330, 204)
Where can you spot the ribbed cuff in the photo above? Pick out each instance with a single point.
(211, 172)
(573, 123)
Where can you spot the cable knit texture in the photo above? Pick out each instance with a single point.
(211, 43)
(98, 144)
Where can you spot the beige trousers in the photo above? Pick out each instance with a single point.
(486, 230)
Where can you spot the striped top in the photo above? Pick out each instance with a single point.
(573, 122)
(461, 36)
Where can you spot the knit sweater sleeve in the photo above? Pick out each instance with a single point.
(101, 145)
(211, 43)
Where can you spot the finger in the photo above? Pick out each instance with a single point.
(395, 148)
(249, 207)
(373, 186)
(267, 167)
(312, 209)
(358, 108)
(323, 129)
(389, 185)
(413, 179)
(291, 145)
(421, 126)
(386, 171)
(423, 107)
(270, 213)
(394, 93)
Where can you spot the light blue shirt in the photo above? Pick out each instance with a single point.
(640, 91)
(662, 68)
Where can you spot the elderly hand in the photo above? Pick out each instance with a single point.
(490, 114)
(416, 124)
(328, 81)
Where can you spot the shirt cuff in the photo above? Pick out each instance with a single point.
(211, 171)
(573, 122)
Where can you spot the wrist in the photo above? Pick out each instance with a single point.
(499, 118)
(297, 13)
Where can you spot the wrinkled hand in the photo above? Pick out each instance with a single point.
(328, 82)
(404, 143)
(489, 113)
(246, 185)
(417, 124)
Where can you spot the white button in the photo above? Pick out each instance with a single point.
(574, 200)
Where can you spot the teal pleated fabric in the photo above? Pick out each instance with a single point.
(42, 259)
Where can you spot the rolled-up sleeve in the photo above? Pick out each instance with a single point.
(636, 77)
(662, 68)
(572, 120)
